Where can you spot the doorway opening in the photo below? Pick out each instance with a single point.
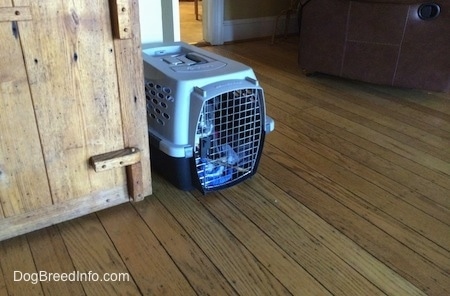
(191, 21)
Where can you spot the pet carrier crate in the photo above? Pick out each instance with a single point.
(206, 116)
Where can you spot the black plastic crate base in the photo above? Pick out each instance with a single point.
(176, 170)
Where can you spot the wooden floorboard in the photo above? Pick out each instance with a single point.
(191, 29)
(133, 240)
(16, 261)
(238, 264)
(204, 277)
(301, 245)
(271, 253)
(50, 254)
(351, 197)
(92, 250)
(315, 133)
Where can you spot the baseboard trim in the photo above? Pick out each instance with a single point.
(242, 29)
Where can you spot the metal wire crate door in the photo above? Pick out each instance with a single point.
(229, 137)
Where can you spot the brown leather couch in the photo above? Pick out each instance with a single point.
(403, 43)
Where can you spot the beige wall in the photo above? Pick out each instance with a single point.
(247, 9)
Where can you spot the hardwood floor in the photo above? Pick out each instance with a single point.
(191, 29)
(351, 197)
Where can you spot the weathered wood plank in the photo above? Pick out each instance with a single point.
(353, 107)
(401, 131)
(151, 267)
(440, 102)
(133, 104)
(19, 272)
(291, 270)
(395, 103)
(302, 184)
(319, 97)
(239, 266)
(368, 266)
(5, 3)
(94, 254)
(358, 203)
(70, 61)
(23, 178)
(424, 158)
(51, 256)
(201, 273)
(289, 103)
(315, 258)
(70, 209)
(353, 189)
(3, 290)
(400, 182)
(395, 159)
(438, 106)
(122, 18)
(14, 14)
(115, 159)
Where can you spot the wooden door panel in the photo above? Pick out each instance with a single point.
(69, 53)
(21, 190)
(5, 3)
(70, 90)
(132, 94)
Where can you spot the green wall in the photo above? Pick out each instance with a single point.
(248, 9)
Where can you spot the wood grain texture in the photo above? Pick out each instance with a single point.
(204, 277)
(6, 3)
(115, 159)
(51, 256)
(292, 272)
(350, 198)
(3, 290)
(351, 222)
(301, 246)
(246, 274)
(133, 105)
(62, 211)
(92, 251)
(351, 184)
(19, 271)
(10, 14)
(61, 83)
(121, 14)
(20, 145)
(191, 29)
(70, 61)
(141, 250)
(372, 269)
